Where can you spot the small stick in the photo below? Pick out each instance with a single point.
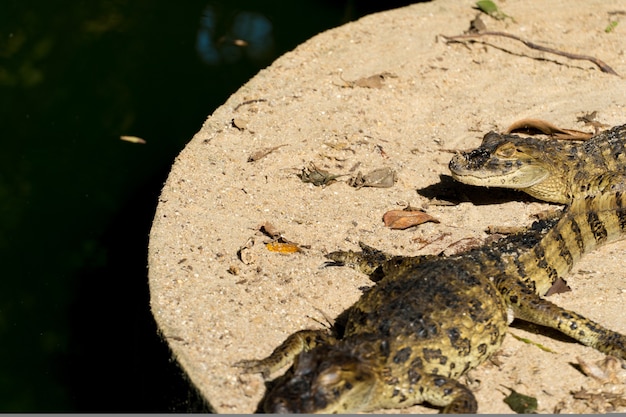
(601, 64)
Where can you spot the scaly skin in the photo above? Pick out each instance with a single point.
(430, 319)
(551, 170)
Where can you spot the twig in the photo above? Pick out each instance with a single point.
(601, 64)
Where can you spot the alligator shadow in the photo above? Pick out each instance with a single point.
(542, 330)
(453, 192)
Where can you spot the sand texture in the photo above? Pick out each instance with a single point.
(215, 307)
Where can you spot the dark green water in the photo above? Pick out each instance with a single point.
(76, 202)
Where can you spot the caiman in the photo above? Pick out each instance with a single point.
(430, 319)
(551, 170)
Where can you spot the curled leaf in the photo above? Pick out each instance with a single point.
(244, 253)
(604, 370)
(403, 219)
(317, 176)
(240, 124)
(269, 230)
(373, 81)
(379, 178)
(533, 125)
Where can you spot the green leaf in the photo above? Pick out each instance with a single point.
(487, 6)
(520, 403)
(611, 26)
(490, 8)
(530, 342)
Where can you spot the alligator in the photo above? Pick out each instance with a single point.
(429, 319)
(551, 170)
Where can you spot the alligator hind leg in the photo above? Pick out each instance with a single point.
(437, 390)
(285, 353)
(531, 307)
(454, 396)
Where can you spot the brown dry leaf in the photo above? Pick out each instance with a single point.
(262, 153)
(317, 176)
(379, 178)
(605, 370)
(548, 214)
(558, 287)
(423, 242)
(477, 25)
(244, 253)
(531, 126)
(589, 119)
(283, 247)
(600, 401)
(462, 245)
(373, 81)
(403, 219)
(504, 230)
(240, 124)
(269, 230)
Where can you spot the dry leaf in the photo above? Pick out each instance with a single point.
(600, 401)
(379, 178)
(558, 287)
(604, 370)
(244, 254)
(477, 25)
(462, 245)
(316, 176)
(403, 219)
(423, 242)
(504, 230)
(281, 247)
(533, 125)
(240, 124)
(589, 119)
(269, 230)
(262, 153)
(133, 139)
(530, 342)
(520, 403)
(373, 81)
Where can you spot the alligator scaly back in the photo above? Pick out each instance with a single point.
(585, 225)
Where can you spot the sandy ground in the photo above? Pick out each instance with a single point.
(213, 309)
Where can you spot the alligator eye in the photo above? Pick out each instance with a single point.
(506, 150)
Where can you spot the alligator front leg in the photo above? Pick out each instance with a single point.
(373, 262)
(285, 353)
